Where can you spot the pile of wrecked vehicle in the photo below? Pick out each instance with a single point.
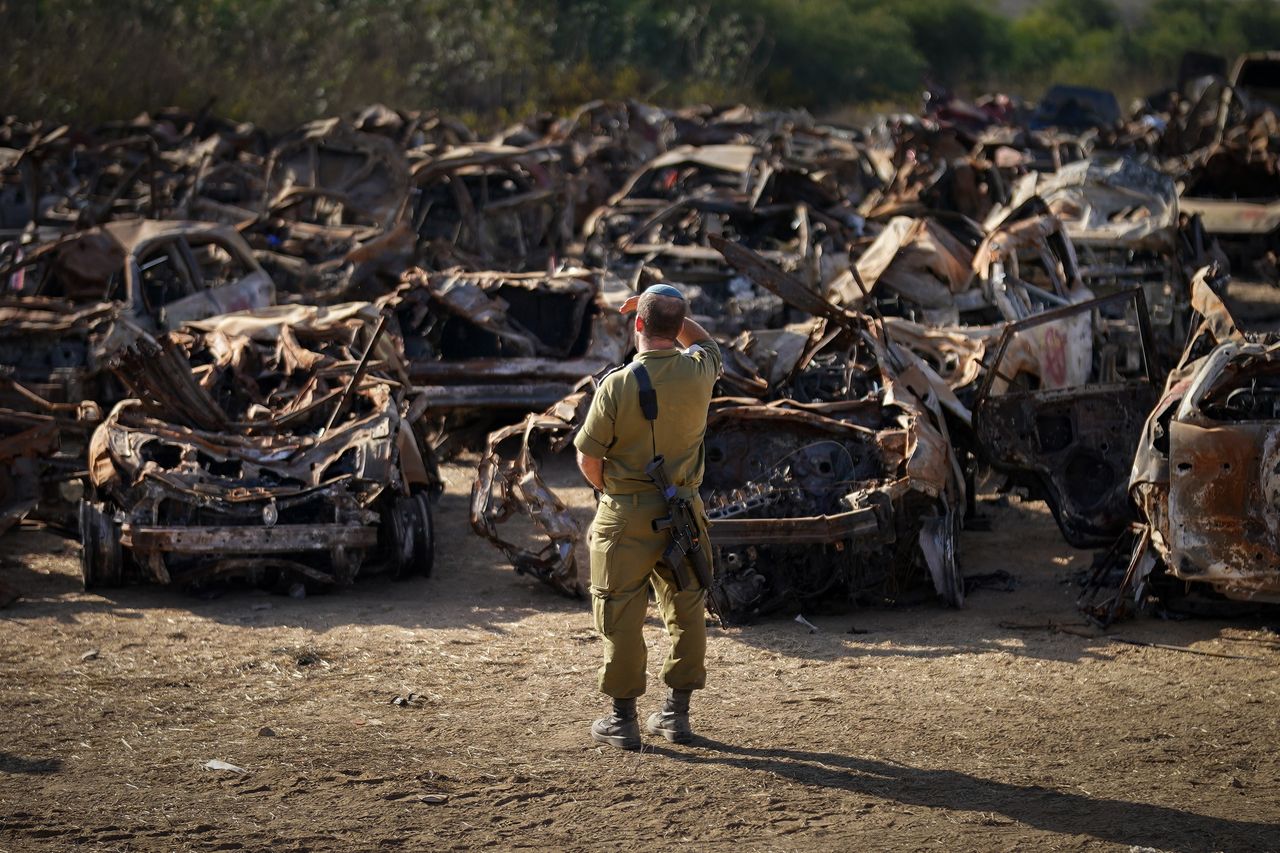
(231, 357)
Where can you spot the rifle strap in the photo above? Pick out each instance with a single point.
(648, 400)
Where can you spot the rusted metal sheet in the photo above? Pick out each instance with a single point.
(1221, 527)
(862, 525)
(508, 483)
(280, 539)
(69, 305)
(1222, 521)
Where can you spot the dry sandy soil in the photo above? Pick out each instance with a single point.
(934, 729)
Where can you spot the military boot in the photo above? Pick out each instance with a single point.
(672, 722)
(621, 728)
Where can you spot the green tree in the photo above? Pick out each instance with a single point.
(961, 41)
(1087, 15)
(830, 52)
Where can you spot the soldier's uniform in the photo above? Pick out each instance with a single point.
(626, 552)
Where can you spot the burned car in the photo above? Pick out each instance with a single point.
(1068, 431)
(335, 196)
(495, 207)
(276, 447)
(941, 274)
(946, 296)
(602, 143)
(1229, 164)
(1204, 477)
(509, 485)
(507, 343)
(795, 490)
(65, 306)
(1122, 218)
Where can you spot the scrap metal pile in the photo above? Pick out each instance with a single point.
(288, 332)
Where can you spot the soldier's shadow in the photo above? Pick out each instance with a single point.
(1115, 821)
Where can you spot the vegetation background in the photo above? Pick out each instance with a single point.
(278, 62)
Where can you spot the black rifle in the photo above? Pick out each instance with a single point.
(685, 555)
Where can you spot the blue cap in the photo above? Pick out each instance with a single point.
(664, 290)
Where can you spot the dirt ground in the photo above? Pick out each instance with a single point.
(934, 729)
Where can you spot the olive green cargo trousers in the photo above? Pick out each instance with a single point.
(626, 558)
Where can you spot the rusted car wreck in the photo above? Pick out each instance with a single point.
(1067, 434)
(276, 447)
(516, 342)
(66, 306)
(885, 298)
(1204, 479)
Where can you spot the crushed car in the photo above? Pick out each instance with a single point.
(275, 447)
(1123, 221)
(486, 345)
(1068, 429)
(1228, 163)
(490, 207)
(927, 271)
(664, 216)
(331, 217)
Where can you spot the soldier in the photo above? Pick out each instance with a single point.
(615, 444)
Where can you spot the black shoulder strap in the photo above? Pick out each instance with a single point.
(648, 397)
(648, 400)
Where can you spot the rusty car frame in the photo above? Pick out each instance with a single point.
(66, 306)
(1068, 435)
(856, 493)
(274, 446)
(1204, 479)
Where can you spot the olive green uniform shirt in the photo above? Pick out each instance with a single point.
(616, 430)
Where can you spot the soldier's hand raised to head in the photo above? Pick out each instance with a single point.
(629, 306)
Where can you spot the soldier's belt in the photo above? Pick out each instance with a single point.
(650, 499)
